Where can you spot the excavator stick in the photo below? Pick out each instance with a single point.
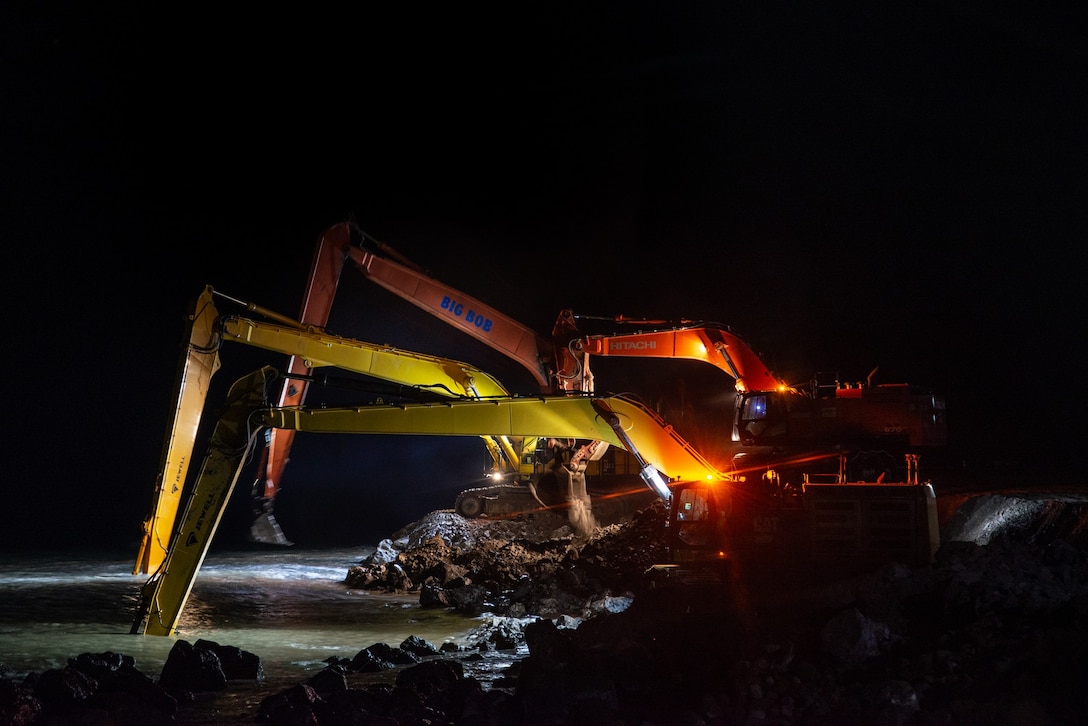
(199, 363)
(576, 417)
(164, 595)
(325, 268)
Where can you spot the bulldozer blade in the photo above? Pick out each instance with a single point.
(266, 530)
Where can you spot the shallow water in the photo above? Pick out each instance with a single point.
(290, 607)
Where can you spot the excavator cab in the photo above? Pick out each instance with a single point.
(697, 522)
(761, 417)
(696, 530)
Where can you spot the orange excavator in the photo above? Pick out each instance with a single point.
(786, 432)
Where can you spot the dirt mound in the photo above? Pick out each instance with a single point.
(534, 566)
(992, 630)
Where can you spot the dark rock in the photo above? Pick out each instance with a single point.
(418, 646)
(192, 669)
(93, 688)
(851, 638)
(361, 706)
(18, 705)
(101, 665)
(124, 689)
(299, 705)
(431, 677)
(64, 688)
(329, 680)
(367, 661)
(381, 656)
(434, 596)
(470, 599)
(237, 664)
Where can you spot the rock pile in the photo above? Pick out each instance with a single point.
(536, 567)
(994, 631)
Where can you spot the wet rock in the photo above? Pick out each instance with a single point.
(431, 677)
(418, 647)
(18, 705)
(329, 680)
(499, 633)
(366, 661)
(300, 704)
(435, 691)
(92, 688)
(188, 668)
(381, 657)
(123, 688)
(237, 664)
(64, 689)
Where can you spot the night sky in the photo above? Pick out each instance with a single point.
(901, 188)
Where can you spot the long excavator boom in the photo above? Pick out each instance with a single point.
(462, 311)
(199, 362)
(713, 344)
(442, 376)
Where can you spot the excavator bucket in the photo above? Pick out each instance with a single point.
(265, 529)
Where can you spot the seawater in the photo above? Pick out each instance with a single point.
(289, 607)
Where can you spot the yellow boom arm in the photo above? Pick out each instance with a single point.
(579, 417)
(198, 364)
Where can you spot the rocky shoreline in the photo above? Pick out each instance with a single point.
(993, 631)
